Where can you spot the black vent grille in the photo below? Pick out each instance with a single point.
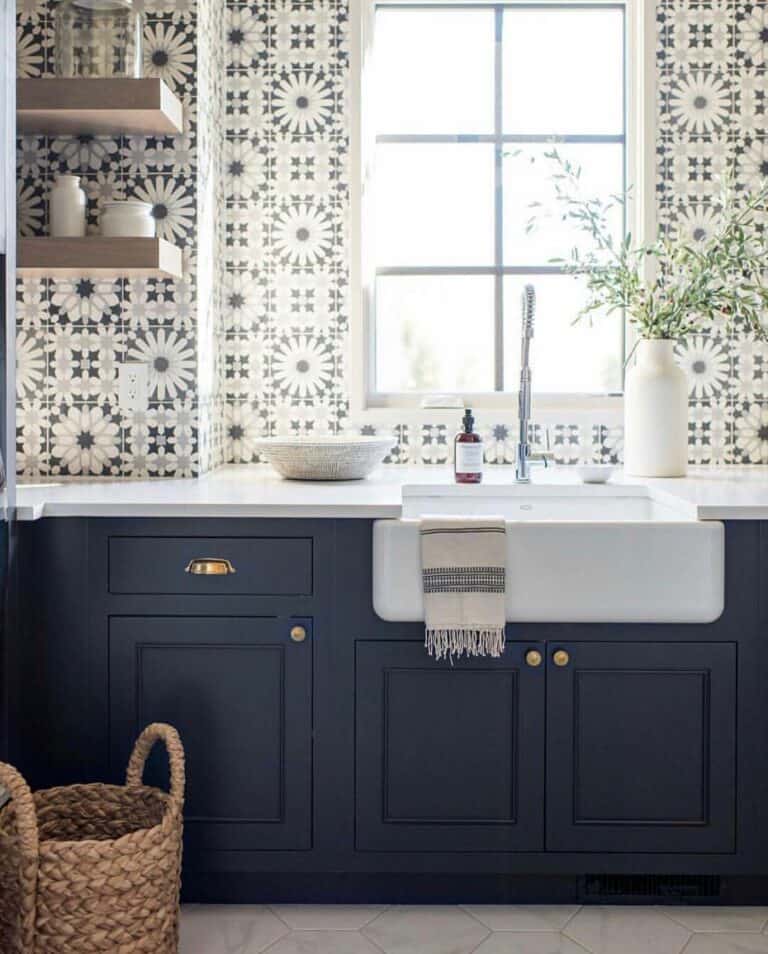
(659, 888)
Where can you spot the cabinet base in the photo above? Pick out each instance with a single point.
(325, 888)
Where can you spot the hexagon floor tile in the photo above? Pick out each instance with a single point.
(323, 942)
(737, 943)
(234, 929)
(426, 930)
(752, 919)
(523, 917)
(626, 930)
(445, 929)
(526, 942)
(327, 917)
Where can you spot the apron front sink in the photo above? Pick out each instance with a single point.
(574, 555)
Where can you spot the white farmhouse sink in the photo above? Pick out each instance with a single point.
(574, 554)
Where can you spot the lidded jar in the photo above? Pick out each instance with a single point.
(127, 219)
(95, 38)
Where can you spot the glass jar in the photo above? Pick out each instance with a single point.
(95, 38)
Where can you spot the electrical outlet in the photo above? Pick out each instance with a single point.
(133, 380)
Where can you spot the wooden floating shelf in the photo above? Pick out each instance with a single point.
(95, 256)
(97, 107)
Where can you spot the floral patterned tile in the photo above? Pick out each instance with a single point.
(172, 360)
(611, 443)
(710, 433)
(170, 51)
(84, 440)
(749, 381)
(32, 451)
(700, 36)
(256, 190)
(750, 433)
(31, 207)
(32, 303)
(34, 42)
(751, 101)
(697, 102)
(751, 34)
(707, 362)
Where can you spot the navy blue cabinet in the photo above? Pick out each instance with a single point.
(239, 690)
(449, 757)
(641, 747)
(640, 744)
(351, 765)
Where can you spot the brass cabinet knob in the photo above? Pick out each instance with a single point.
(533, 657)
(210, 566)
(298, 634)
(560, 658)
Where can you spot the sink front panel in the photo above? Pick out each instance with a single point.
(576, 572)
(531, 507)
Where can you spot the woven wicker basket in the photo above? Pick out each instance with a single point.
(93, 868)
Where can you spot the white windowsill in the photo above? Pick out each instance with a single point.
(546, 410)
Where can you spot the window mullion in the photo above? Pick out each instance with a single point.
(498, 298)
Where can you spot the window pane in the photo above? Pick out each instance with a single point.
(528, 179)
(434, 333)
(565, 358)
(563, 71)
(434, 204)
(433, 71)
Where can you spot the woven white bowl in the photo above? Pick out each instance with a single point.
(324, 458)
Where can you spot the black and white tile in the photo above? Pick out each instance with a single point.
(73, 334)
(252, 340)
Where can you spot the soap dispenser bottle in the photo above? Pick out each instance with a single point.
(468, 457)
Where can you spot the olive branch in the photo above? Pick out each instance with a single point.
(674, 286)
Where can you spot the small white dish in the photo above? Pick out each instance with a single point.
(594, 473)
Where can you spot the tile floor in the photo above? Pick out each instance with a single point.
(472, 929)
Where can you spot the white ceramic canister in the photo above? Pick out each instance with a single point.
(66, 208)
(656, 413)
(128, 219)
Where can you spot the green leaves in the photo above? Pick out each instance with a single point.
(719, 277)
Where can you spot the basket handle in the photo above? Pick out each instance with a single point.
(159, 732)
(29, 843)
(24, 807)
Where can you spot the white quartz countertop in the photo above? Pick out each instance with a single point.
(707, 493)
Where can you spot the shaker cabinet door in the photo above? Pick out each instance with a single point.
(239, 691)
(449, 757)
(641, 747)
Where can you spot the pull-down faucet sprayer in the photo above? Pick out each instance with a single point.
(528, 301)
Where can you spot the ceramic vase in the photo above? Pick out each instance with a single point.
(655, 412)
(66, 206)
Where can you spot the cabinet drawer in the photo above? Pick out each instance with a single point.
(263, 566)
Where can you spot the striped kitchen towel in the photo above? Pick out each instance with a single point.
(463, 562)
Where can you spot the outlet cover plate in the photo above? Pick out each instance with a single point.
(133, 381)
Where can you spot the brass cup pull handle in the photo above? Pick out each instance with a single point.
(560, 658)
(533, 658)
(210, 566)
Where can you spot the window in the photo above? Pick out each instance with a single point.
(461, 104)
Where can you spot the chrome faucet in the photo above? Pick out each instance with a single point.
(524, 457)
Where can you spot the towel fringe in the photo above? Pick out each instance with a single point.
(447, 643)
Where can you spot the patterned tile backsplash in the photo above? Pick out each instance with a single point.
(256, 191)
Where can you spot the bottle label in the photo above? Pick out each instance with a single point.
(469, 458)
